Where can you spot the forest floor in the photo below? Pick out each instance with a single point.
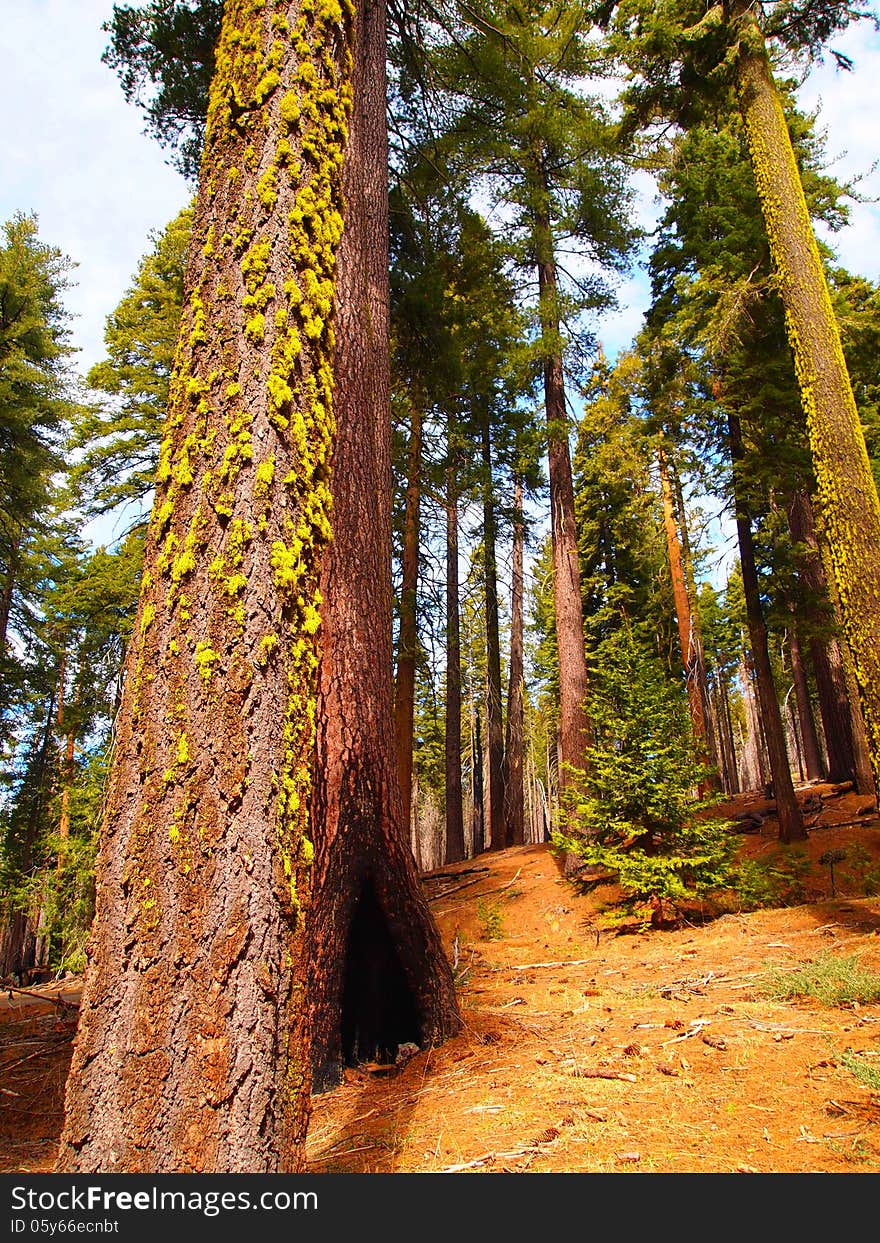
(590, 1042)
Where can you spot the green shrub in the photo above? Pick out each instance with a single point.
(491, 920)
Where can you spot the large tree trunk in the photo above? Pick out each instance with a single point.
(514, 741)
(791, 824)
(575, 731)
(494, 719)
(455, 845)
(842, 721)
(407, 645)
(378, 976)
(192, 1050)
(848, 500)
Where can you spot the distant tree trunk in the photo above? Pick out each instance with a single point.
(809, 738)
(378, 975)
(192, 1052)
(575, 730)
(791, 825)
(6, 594)
(479, 832)
(725, 735)
(754, 740)
(690, 653)
(455, 844)
(699, 655)
(494, 720)
(848, 499)
(514, 742)
(407, 647)
(842, 721)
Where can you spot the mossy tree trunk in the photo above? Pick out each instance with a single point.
(455, 844)
(841, 713)
(848, 501)
(378, 975)
(192, 1050)
(514, 739)
(407, 644)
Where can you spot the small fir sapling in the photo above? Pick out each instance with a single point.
(635, 810)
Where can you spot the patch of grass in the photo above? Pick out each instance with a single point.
(868, 1072)
(491, 920)
(830, 980)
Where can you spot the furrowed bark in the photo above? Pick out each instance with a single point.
(192, 1050)
(848, 501)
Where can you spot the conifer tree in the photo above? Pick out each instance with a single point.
(679, 55)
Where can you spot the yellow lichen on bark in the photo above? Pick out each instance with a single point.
(849, 508)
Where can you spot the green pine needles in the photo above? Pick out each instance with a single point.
(636, 809)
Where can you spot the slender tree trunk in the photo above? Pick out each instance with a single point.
(754, 742)
(404, 698)
(455, 844)
(689, 651)
(6, 594)
(842, 721)
(514, 742)
(736, 785)
(192, 1051)
(848, 499)
(809, 738)
(479, 832)
(725, 733)
(701, 675)
(791, 825)
(378, 975)
(575, 730)
(494, 719)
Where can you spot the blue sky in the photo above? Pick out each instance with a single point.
(73, 151)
